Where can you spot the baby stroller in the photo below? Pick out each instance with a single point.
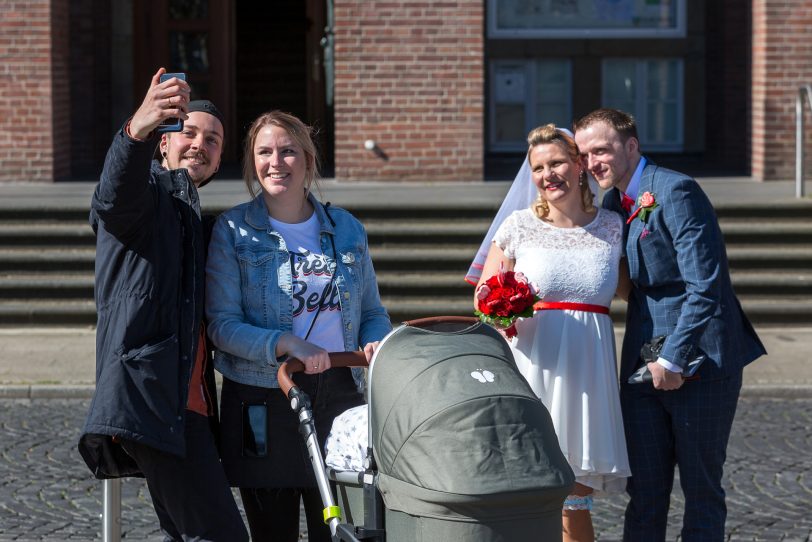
(460, 446)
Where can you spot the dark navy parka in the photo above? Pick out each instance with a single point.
(150, 264)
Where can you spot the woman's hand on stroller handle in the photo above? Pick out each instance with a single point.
(314, 358)
(369, 350)
(337, 359)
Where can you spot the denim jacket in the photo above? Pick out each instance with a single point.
(249, 289)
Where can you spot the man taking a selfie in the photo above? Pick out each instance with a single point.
(154, 410)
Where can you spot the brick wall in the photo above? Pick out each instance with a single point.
(782, 61)
(409, 75)
(34, 100)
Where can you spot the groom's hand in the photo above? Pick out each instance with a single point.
(663, 379)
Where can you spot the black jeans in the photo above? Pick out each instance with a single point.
(271, 486)
(190, 494)
(273, 514)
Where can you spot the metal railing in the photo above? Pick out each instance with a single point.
(804, 91)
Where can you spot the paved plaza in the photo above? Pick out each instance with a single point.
(46, 492)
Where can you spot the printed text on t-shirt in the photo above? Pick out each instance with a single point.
(312, 284)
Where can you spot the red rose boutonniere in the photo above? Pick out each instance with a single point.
(504, 298)
(645, 204)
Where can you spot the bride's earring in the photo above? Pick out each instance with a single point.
(543, 204)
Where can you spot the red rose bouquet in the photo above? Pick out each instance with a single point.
(505, 297)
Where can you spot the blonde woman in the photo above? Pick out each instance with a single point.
(571, 251)
(286, 276)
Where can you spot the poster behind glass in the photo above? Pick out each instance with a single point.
(586, 18)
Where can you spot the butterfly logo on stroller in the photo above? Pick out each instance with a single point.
(482, 376)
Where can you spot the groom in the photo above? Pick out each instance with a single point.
(682, 290)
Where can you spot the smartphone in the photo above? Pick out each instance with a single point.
(254, 430)
(171, 125)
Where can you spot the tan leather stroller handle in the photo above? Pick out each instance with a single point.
(337, 359)
(433, 320)
(358, 359)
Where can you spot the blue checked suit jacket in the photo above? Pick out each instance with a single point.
(682, 287)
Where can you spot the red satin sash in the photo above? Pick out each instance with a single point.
(553, 305)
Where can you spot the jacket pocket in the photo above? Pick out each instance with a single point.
(154, 371)
(257, 275)
(658, 262)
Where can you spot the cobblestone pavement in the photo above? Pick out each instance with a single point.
(46, 492)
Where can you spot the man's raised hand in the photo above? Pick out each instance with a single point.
(163, 101)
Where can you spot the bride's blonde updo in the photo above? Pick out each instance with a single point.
(549, 133)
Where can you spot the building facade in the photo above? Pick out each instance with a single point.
(411, 89)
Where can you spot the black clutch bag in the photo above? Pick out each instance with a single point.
(649, 353)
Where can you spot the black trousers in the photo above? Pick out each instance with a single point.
(190, 494)
(273, 514)
(272, 486)
(689, 428)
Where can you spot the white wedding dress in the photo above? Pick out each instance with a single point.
(568, 356)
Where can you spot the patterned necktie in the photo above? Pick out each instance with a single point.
(627, 203)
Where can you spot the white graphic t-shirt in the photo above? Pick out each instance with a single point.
(313, 286)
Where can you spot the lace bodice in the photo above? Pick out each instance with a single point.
(578, 265)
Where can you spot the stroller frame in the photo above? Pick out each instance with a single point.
(373, 528)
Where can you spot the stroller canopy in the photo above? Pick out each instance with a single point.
(456, 430)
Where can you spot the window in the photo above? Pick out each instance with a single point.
(651, 90)
(586, 19)
(526, 94)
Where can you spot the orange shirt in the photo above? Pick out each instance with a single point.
(197, 394)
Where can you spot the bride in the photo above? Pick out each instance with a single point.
(571, 251)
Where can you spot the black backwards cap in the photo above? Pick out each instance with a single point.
(205, 106)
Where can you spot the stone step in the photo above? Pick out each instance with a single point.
(46, 286)
(59, 285)
(403, 258)
(55, 234)
(767, 210)
(471, 231)
(416, 258)
(406, 230)
(440, 204)
(46, 213)
(20, 312)
(784, 282)
(60, 235)
(762, 310)
(40, 259)
(802, 222)
(778, 283)
(406, 206)
(751, 231)
(451, 231)
(752, 257)
(443, 208)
